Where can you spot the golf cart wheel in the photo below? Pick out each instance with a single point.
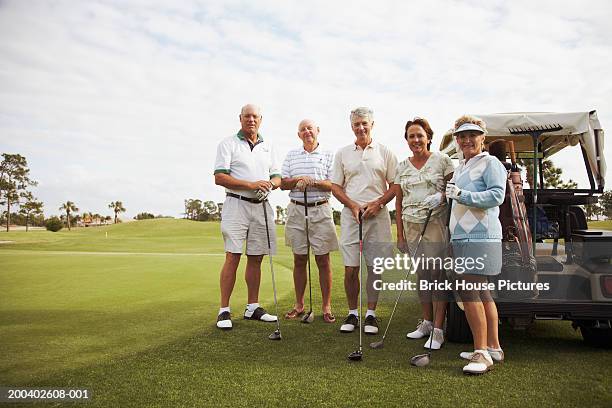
(457, 327)
(597, 337)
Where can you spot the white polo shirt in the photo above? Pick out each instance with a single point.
(316, 164)
(364, 173)
(243, 161)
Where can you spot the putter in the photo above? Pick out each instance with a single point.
(381, 343)
(421, 360)
(308, 317)
(277, 333)
(358, 354)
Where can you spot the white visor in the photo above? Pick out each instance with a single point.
(469, 126)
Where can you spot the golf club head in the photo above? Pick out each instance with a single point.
(377, 344)
(275, 336)
(308, 317)
(420, 360)
(355, 355)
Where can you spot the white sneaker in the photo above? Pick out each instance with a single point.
(480, 363)
(423, 329)
(496, 355)
(436, 338)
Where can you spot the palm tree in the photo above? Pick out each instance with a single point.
(117, 207)
(69, 207)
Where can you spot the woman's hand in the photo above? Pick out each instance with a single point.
(452, 191)
(433, 201)
(402, 245)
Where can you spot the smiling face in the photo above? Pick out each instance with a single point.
(250, 119)
(362, 128)
(470, 142)
(417, 139)
(308, 131)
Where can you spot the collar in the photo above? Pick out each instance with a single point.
(481, 154)
(304, 151)
(370, 146)
(241, 136)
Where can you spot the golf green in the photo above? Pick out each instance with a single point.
(128, 311)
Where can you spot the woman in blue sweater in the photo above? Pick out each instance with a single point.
(477, 189)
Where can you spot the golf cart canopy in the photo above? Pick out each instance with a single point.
(577, 128)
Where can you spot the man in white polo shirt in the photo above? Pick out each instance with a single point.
(309, 167)
(246, 166)
(362, 176)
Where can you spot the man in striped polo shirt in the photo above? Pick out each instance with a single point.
(246, 166)
(309, 167)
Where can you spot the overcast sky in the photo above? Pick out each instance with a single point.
(127, 100)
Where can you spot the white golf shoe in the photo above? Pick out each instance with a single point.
(436, 338)
(423, 329)
(496, 355)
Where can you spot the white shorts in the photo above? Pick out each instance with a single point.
(321, 229)
(243, 222)
(376, 237)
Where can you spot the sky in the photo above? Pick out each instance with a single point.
(127, 100)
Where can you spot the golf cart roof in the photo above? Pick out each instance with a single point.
(577, 128)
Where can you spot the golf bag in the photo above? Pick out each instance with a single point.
(518, 263)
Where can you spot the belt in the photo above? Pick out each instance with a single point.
(243, 198)
(310, 204)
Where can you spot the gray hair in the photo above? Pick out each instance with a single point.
(362, 112)
(252, 106)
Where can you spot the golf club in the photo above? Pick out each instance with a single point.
(308, 317)
(381, 343)
(277, 333)
(358, 354)
(421, 360)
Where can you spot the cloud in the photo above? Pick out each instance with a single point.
(126, 101)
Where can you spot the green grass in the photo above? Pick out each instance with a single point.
(131, 317)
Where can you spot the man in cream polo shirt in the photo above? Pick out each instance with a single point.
(246, 166)
(362, 176)
(309, 167)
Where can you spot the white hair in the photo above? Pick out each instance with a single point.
(362, 112)
(250, 105)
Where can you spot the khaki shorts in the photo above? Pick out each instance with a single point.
(376, 237)
(435, 240)
(321, 229)
(243, 223)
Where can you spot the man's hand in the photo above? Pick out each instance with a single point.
(263, 185)
(356, 210)
(371, 209)
(304, 181)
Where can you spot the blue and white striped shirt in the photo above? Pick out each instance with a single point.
(317, 165)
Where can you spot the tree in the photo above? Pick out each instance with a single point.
(605, 202)
(209, 211)
(552, 175)
(592, 210)
(14, 180)
(69, 207)
(30, 208)
(117, 207)
(54, 224)
(193, 209)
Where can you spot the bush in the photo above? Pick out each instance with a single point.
(144, 216)
(54, 224)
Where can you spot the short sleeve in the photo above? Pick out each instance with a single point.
(286, 169)
(391, 163)
(447, 165)
(275, 170)
(398, 172)
(224, 157)
(338, 169)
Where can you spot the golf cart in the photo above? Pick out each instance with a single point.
(579, 272)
